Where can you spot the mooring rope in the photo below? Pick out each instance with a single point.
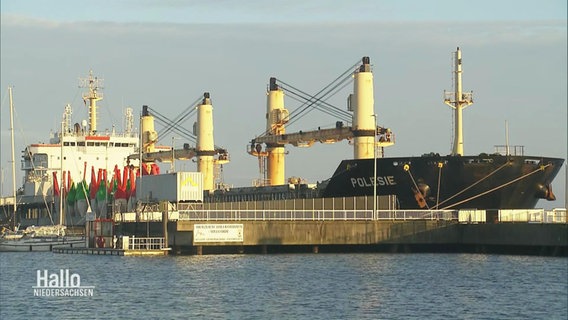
(541, 168)
(474, 184)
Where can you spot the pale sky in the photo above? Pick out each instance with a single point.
(165, 54)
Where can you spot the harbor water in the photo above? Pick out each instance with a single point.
(284, 286)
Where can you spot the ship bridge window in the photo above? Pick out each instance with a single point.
(97, 144)
(72, 143)
(40, 160)
(90, 144)
(111, 144)
(66, 144)
(81, 143)
(124, 144)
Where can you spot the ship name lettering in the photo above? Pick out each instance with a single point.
(368, 181)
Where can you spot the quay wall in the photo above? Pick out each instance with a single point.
(365, 236)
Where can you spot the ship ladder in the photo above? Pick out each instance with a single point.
(541, 168)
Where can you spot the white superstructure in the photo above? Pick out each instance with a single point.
(74, 151)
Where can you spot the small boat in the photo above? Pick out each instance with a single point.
(33, 238)
(43, 238)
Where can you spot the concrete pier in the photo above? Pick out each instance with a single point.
(363, 236)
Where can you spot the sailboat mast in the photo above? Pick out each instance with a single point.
(458, 101)
(61, 213)
(13, 159)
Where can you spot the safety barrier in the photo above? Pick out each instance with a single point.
(464, 216)
(315, 215)
(142, 243)
(533, 216)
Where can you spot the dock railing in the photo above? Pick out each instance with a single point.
(533, 216)
(315, 215)
(463, 216)
(142, 243)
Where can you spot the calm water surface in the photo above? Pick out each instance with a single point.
(295, 286)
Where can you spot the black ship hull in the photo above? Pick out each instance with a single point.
(450, 182)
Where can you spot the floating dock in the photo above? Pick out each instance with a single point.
(129, 246)
(111, 252)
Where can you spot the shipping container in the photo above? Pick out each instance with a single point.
(173, 187)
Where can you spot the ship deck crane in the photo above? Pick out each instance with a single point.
(363, 133)
(330, 135)
(209, 156)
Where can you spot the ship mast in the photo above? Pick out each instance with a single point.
(64, 127)
(13, 159)
(458, 101)
(94, 84)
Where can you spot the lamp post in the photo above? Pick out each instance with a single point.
(173, 166)
(375, 168)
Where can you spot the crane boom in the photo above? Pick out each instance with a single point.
(331, 135)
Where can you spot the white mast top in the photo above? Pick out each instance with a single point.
(458, 100)
(94, 84)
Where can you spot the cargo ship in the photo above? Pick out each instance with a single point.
(505, 179)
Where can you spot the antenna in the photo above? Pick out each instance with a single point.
(507, 138)
(94, 84)
(129, 119)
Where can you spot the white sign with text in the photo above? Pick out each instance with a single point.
(218, 233)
